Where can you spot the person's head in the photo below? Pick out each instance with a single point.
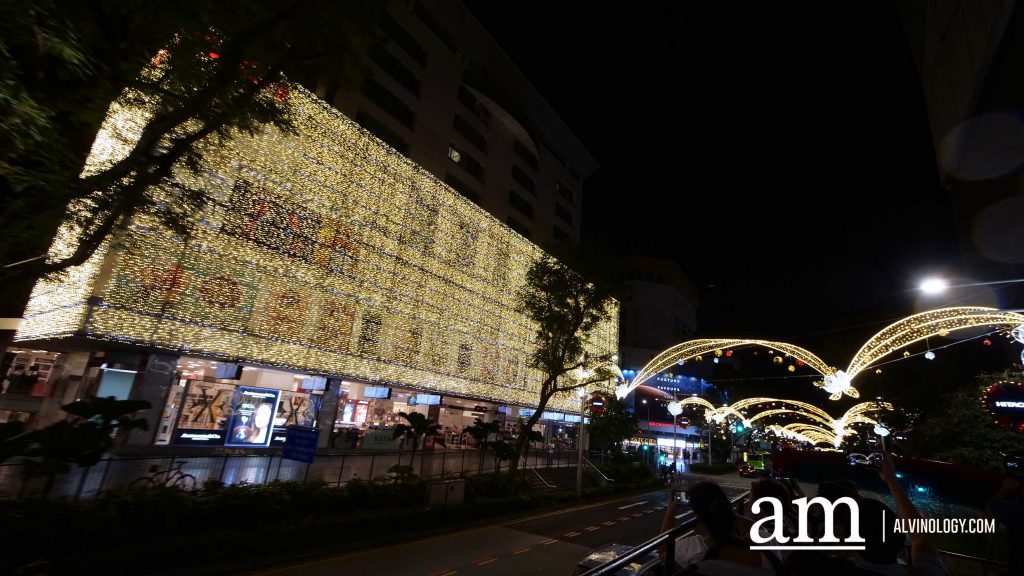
(713, 509)
(770, 489)
(263, 415)
(882, 543)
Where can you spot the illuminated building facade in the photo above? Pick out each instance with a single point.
(321, 252)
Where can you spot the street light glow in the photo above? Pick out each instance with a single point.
(934, 286)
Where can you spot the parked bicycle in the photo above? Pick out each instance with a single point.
(172, 477)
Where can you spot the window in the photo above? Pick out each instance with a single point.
(470, 133)
(389, 103)
(518, 227)
(388, 63)
(429, 21)
(520, 203)
(475, 106)
(565, 192)
(369, 336)
(563, 213)
(468, 163)
(403, 39)
(465, 358)
(527, 156)
(560, 235)
(462, 188)
(383, 132)
(524, 179)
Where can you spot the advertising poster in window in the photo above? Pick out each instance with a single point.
(252, 417)
(205, 410)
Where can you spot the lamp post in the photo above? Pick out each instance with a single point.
(675, 409)
(582, 394)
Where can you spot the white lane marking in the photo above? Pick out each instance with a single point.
(633, 504)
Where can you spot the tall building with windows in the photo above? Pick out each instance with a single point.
(439, 90)
(658, 308)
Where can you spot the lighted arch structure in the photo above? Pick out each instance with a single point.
(693, 348)
(839, 382)
(926, 325)
(835, 428)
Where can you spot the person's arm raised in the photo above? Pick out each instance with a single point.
(919, 543)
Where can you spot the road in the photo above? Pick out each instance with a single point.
(550, 543)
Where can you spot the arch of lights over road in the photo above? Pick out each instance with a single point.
(320, 250)
(835, 429)
(909, 330)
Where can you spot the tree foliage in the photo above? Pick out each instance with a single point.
(417, 426)
(965, 433)
(82, 439)
(613, 425)
(200, 69)
(567, 309)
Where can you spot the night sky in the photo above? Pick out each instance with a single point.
(780, 154)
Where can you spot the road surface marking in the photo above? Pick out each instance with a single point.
(634, 504)
(608, 523)
(565, 511)
(571, 534)
(520, 550)
(548, 541)
(623, 518)
(443, 573)
(485, 562)
(678, 516)
(637, 515)
(592, 528)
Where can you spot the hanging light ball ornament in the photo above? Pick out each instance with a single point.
(929, 355)
(716, 359)
(906, 353)
(728, 353)
(718, 353)
(777, 360)
(878, 370)
(791, 368)
(943, 333)
(986, 342)
(800, 362)
(698, 358)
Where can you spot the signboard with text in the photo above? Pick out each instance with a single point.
(300, 444)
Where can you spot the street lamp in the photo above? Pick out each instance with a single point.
(936, 285)
(675, 409)
(581, 392)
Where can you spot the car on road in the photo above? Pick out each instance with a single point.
(647, 565)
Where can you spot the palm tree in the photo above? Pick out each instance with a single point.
(418, 426)
(481, 432)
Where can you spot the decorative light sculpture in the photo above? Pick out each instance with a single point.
(321, 250)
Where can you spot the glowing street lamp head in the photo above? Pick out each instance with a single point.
(621, 391)
(675, 408)
(934, 286)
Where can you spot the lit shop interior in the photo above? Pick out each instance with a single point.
(224, 404)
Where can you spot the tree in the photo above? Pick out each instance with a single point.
(566, 309)
(481, 432)
(964, 433)
(418, 427)
(195, 70)
(613, 425)
(82, 440)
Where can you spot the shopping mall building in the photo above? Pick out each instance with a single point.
(328, 281)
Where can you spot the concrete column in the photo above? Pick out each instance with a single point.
(153, 384)
(328, 414)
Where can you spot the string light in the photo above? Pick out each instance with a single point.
(322, 250)
(697, 348)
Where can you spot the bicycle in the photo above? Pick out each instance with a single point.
(172, 477)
